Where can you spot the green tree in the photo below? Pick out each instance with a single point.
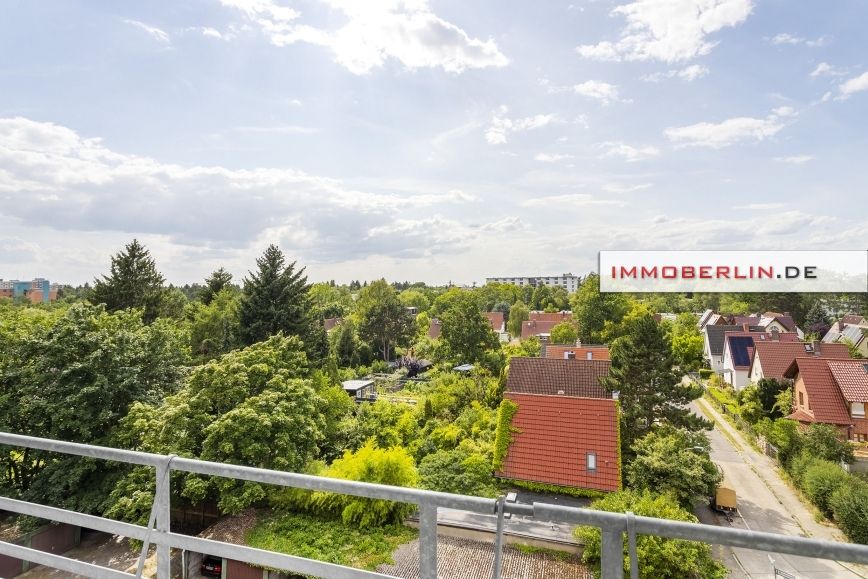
(518, 313)
(73, 378)
(824, 441)
(649, 389)
(383, 321)
(216, 327)
(688, 345)
(219, 280)
(173, 304)
(457, 471)
(344, 344)
(564, 333)
(465, 334)
(275, 299)
(674, 461)
(255, 407)
(850, 506)
(592, 309)
(331, 301)
(416, 299)
(658, 557)
(820, 481)
(133, 282)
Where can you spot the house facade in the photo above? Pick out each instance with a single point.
(567, 281)
(580, 352)
(773, 359)
(852, 329)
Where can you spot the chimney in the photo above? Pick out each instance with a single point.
(775, 334)
(745, 327)
(816, 345)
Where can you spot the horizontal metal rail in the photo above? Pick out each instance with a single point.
(612, 525)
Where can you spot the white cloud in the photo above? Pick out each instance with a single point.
(785, 38)
(152, 31)
(823, 69)
(277, 129)
(551, 157)
(624, 188)
(506, 225)
(502, 126)
(795, 159)
(52, 177)
(687, 74)
(211, 32)
(852, 86)
(670, 31)
(406, 30)
(598, 90)
(730, 131)
(759, 206)
(570, 200)
(628, 152)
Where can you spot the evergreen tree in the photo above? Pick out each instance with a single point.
(218, 280)
(133, 282)
(649, 389)
(816, 320)
(275, 299)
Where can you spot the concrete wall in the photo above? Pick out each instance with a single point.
(56, 539)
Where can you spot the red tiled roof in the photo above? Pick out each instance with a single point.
(824, 395)
(550, 317)
(557, 352)
(756, 337)
(496, 320)
(776, 357)
(555, 435)
(852, 378)
(434, 329)
(801, 416)
(558, 377)
(852, 319)
(534, 327)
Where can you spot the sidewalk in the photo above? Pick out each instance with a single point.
(766, 469)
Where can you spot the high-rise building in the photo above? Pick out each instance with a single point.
(567, 281)
(38, 290)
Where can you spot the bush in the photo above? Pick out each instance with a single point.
(705, 373)
(850, 506)
(821, 479)
(824, 441)
(799, 466)
(658, 557)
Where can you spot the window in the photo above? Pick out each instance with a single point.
(592, 461)
(857, 410)
(569, 355)
(801, 398)
(590, 356)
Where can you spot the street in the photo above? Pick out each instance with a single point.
(766, 503)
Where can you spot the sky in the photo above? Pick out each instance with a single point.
(438, 140)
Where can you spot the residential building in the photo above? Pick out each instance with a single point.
(38, 290)
(566, 424)
(434, 329)
(713, 335)
(773, 359)
(579, 352)
(852, 329)
(831, 391)
(781, 322)
(567, 281)
(557, 317)
(738, 351)
(541, 323)
(497, 321)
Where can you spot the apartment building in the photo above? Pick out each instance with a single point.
(567, 281)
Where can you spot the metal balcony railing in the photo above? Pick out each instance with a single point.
(614, 526)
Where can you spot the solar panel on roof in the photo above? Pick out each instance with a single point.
(739, 348)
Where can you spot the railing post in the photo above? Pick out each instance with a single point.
(162, 496)
(428, 541)
(498, 539)
(612, 564)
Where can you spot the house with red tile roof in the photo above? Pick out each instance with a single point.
(556, 317)
(738, 351)
(580, 352)
(773, 359)
(567, 427)
(831, 391)
(497, 321)
(851, 328)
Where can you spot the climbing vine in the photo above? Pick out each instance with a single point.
(503, 433)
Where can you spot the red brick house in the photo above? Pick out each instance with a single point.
(497, 321)
(831, 391)
(567, 424)
(773, 359)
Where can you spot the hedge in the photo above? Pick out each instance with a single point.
(821, 479)
(850, 507)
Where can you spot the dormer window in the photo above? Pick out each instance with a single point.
(857, 410)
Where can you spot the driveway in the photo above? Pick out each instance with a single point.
(766, 503)
(99, 548)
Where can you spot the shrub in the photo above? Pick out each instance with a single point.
(799, 466)
(850, 506)
(821, 479)
(705, 373)
(824, 441)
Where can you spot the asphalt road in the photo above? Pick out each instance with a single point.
(766, 503)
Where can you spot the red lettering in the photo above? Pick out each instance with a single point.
(669, 272)
(722, 272)
(766, 272)
(705, 272)
(628, 272)
(649, 272)
(688, 272)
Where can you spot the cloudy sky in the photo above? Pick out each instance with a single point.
(426, 140)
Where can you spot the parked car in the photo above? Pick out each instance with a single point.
(212, 566)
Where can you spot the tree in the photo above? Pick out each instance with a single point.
(674, 461)
(564, 333)
(688, 346)
(465, 333)
(216, 327)
(73, 378)
(649, 389)
(592, 309)
(383, 321)
(823, 441)
(850, 506)
(658, 557)
(518, 313)
(133, 282)
(275, 299)
(457, 471)
(256, 407)
(816, 320)
(416, 299)
(219, 280)
(769, 391)
(343, 344)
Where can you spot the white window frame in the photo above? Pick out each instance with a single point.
(591, 461)
(853, 409)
